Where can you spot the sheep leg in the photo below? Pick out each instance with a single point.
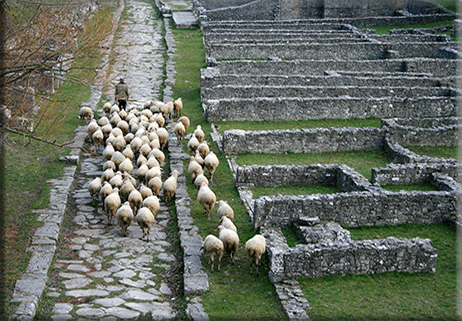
(212, 258)
(220, 255)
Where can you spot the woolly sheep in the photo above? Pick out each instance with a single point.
(109, 164)
(106, 129)
(126, 166)
(170, 185)
(91, 129)
(117, 158)
(185, 121)
(147, 113)
(155, 143)
(203, 149)
(206, 197)
(145, 219)
(108, 151)
(230, 241)
(105, 190)
(141, 158)
(103, 121)
(225, 210)
(158, 154)
(193, 167)
(199, 133)
(97, 138)
(163, 137)
(213, 246)
(119, 143)
(107, 175)
(255, 247)
(116, 131)
(141, 172)
(152, 202)
(152, 162)
(145, 191)
(135, 199)
(123, 114)
(155, 184)
(177, 107)
(151, 173)
(107, 107)
(114, 109)
(115, 118)
(193, 143)
(111, 204)
(145, 149)
(85, 113)
(129, 177)
(199, 158)
(136, 144)
(123, 125)
(117, 180)
(129, 137)
(126, 189)
(200, 178)
(160, 120)
(128, 152)
(179, 131)
(167, 109)
(226, 222)
(124, 217)
(211, 162)
(94, 187)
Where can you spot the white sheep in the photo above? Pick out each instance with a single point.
(124, 217)
(103, 121)
(206, 197)
(97, 138)
(128, 152)
(230, 241)
(107, 107)
(193, 143)
(145, 219)
(108, 151)
(151, 173)
(163, 137)
(203, 149)
(199, 133)
(123, 125)
(117, 180)
(145, 149)
(141, 172)
(211, 162)
(170, 185)
(224, 209)
(158, 154)
(155, 184)
(119, 143)
(167, 109)
(177, 107)
(85, 113)
(126, 166)
(200, 178)
(160, 120)
(136, 144)
(106, 130)
(152, 162)
(179, 131)
(115, 118)
(226, 222)
(111, 204)
(105, 190)
(152, 202)
(213, 246)
(107, 175)
(126, 189)
(117, 158)
(185, 121)
(91, 129)
(94, 187)
(109, 164)
(141, 158)
(145, 191)
(255, 247)
(193, 167)
(135, 199)
(199, 158)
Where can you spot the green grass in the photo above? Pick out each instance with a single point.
(391, 296)
(234, 293)
(436, 151)
(316, 123)
(293, 190)
(386, 29)
(361, 161)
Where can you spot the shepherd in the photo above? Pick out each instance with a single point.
(121, 94)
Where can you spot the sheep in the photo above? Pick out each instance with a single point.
(163, 137)
(126, 166)
(152, 202)
(109, 164)
(158, 154)
(126, 189)
(114, 109)
(107, 107)
(119, 143)
(123, 114)
(129, 137)
(152, 162)
(167, 109)
(128, 152)
(135, 199)
(130, 178)
(91, 129)
(141, 158)
(105, 190)
(141, 172)
(147, 113)
(177, 107)
(97, 138)
(124, 217)
(213, 246)
(145, 191)
(85, 113)
(115, 118)
(179, 131)
(111, 204)
(123, 125)
(193, 143)
(226, 222)
(170, 185)
(193, 168)
(151, 173)
(145, 219)
(107, 175)
(230, 241)
(117, 180)
(108, 151)
(160, 120)
(255, 247)
(103, 121)
(225, 210)
(106, 130)
(94, 187)
(185, 121)
(155, 184)
(155, 143)
(136, 144)
(117, 158)
(203, 149)
(199, 133)
(145, 149)
(211, 162)
(200, 178)
(199, 158)
(206, 197)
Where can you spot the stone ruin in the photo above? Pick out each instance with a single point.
(277, 68)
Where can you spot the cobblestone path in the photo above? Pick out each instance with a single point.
(97, 273)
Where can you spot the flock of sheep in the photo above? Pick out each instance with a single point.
(137, 136)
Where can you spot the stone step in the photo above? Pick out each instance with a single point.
(274, 25)
(437, 67)
(238, 91)
(344, 51)
(282, 109)
(337, 79)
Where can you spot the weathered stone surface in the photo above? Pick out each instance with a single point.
(84, 293)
